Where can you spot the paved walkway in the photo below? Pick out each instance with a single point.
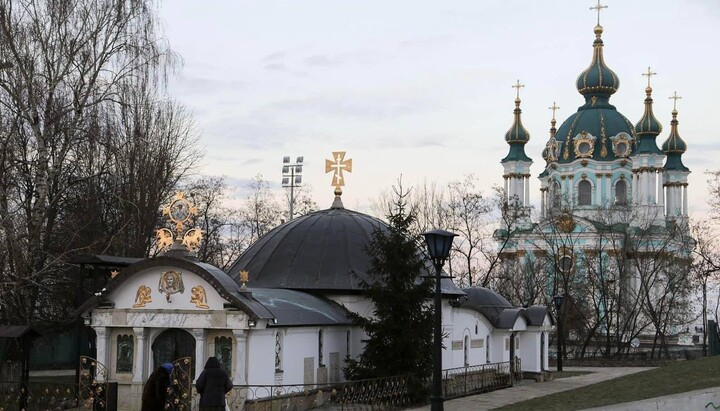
(529, 390)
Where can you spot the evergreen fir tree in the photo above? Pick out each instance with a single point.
(400, 329)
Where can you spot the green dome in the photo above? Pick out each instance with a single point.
(598, 118)
(674, 147)
(517, 137)
(648, 124)
(597, 78)
(648, 128)
(517, 133)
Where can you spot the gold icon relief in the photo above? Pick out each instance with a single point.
(171, 283)
(192, 239)
(142, 296)
(199, 297)
(163, 239)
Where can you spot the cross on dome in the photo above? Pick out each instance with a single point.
(599, 8)
(675, 97)
(554, 108)
(518, 86)
(649, 74)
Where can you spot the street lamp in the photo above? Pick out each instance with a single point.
(438, 244)
(558, 300)
(292, 177)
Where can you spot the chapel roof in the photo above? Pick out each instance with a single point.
(324, 251)
(498, 310)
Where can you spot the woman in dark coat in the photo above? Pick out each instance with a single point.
(156, 388)
(212, 385)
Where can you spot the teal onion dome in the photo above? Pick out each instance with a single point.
(648, 124)
(517, 133)
(648, 128)
(517, 137)
(674, 147)
(597, 78)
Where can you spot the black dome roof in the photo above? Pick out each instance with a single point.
(322, 251)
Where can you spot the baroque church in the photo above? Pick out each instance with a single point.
(611, 233)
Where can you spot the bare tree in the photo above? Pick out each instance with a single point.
(261, 211)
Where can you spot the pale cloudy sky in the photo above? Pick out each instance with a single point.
(423, 88)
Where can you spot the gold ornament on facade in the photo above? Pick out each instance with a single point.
(192, 239)
(198, 297)
(565, 223)
(244, 277)
(180, 211)
(163, 239)
(171, 282)
(142, 296)
(337, 166)
(114, 273)
(621, 144)
(584, 145)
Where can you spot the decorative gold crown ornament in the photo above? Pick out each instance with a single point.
(180, 212)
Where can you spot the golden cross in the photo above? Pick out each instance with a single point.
(649, 74)
(554, 108)
(337, 166)
(518, 86)
(599, 8)
(676, 98)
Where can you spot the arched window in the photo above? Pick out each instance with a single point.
(466, 350)
(584, 193)
(555, 195)
(487, 349)
(347, 343)
(320, 349)
(278, 351)
(621, 192)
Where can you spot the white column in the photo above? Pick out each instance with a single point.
(661, 195)
(608, 190)
(635, 188)
(101, 343)
(507, 190)
(527, 191)
(598, 189)
(571, 191)
(140, 355)
(199, 334)
(241, 357)
(685, 201)
(543, 198)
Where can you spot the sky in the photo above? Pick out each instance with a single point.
(422, 88)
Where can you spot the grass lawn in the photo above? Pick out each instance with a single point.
(671, 379)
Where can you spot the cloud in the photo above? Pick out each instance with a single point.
(364, 108)
(319, 60)
(276, 67)
(278, 55)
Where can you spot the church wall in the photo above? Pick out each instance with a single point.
(261, 357)
(126, 296)
(463, 322)
(529, 351)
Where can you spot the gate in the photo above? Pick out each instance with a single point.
(92, 385)
(180, 391)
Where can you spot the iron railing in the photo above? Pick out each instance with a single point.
(473, 379)
(375, 394)
(38, 395)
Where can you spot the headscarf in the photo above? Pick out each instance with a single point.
(168, 367)
(212, 362)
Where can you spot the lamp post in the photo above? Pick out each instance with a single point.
(558, 300)
(438, 244)
(292, 178)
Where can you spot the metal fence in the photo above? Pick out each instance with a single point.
(40, 395)
(376, 394)
(473, 379)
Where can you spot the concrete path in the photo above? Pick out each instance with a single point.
(529, 390)
(707, 399)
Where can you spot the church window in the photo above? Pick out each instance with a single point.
(223, 352)
(347, 343)
(584, 193)
(320, 349)
(566, 263)
(621, 192)
(278, 352)
(555, 193)
(487, 350)
(125, 348)
(466, 350)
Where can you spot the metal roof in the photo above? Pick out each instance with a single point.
(324, 251)
(295, 308)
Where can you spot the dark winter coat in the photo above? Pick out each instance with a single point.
(155, 391)
(212, 384)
